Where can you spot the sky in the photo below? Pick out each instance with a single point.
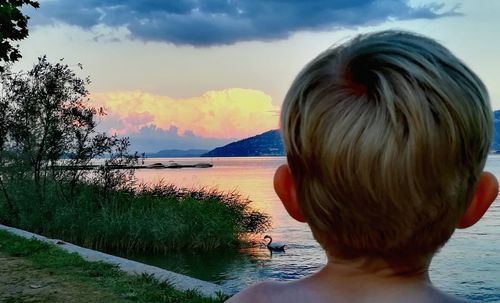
(202, 73)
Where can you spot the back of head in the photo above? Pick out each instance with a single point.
(386, 136)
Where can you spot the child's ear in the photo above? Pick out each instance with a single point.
(486, 192)
(285, 188)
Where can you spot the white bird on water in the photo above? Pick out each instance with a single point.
(276, 246)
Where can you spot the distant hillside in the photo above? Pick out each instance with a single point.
(266, 144)
(496, 138)
(270, 144)
(177, 153)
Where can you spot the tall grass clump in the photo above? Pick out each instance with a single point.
(149, 219)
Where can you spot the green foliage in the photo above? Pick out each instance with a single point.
(47, 117)
(142, 288)
(242, 215)
(49, 141)
(149, 219)
(13, 27)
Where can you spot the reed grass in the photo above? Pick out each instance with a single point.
(146, 219)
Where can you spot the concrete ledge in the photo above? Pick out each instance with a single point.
(178, 281)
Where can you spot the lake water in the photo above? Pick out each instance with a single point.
(468, 266)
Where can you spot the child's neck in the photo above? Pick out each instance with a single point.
(360, 279)
(376, 271)
(379, 269)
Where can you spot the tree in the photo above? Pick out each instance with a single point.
(48, 117)
(13, 27)
(4, 124)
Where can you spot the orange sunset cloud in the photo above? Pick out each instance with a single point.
(229, 113)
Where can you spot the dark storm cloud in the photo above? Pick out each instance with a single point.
(213, 22)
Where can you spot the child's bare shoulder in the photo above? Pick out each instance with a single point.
(301, 291)
(261, 292)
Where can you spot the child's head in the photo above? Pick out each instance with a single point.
(386, 138)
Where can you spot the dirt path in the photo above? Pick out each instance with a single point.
(20, 281)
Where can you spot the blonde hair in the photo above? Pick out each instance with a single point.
(386, 136)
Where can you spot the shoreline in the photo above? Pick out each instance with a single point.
(178, 281)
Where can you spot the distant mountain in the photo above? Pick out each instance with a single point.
(270, 144)
(496, 137)
(266, 144)
(177, 153)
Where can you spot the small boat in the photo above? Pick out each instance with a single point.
(156, 165)
(203, 165)
(174, 165)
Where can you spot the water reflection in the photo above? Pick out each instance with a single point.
(253, 178)
(234, 270)
(468, 266)
(210, 266)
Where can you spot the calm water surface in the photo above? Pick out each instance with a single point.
(468, 266)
